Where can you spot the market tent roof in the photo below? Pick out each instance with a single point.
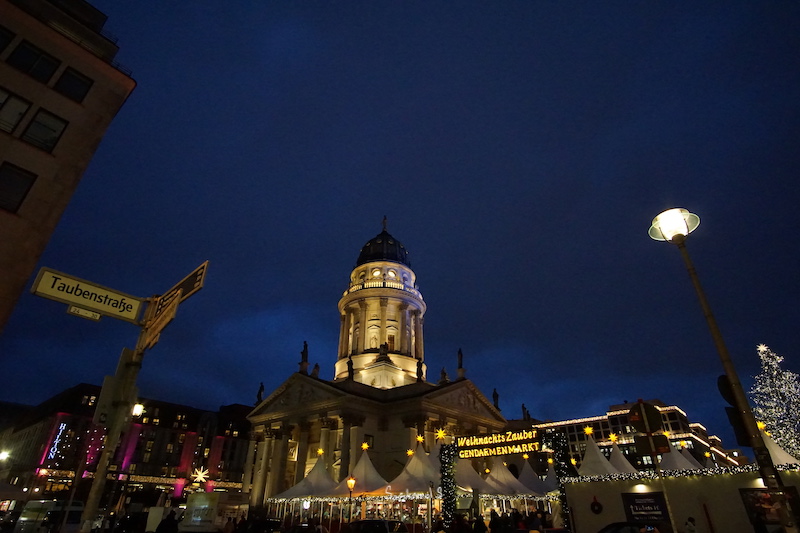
(778, 454)
(551, 479)
(502, 478)
(675, 461)
(620, 462)
(367, 479)
(594, 463)
(317, 482)
(468, 479)
(689, 457)
(416, 477)
(531, 479)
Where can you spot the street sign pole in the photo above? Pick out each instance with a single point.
(123, 397)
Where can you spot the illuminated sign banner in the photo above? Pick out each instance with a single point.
(497, 444)
(86, 295)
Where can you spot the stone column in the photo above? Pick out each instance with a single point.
(344, 464)
(419, 352)
(404, 333)
(247, 477)
(302, 451)
(261, 467)
(277, 465)
(325, 441)
(343, 336)
(383, 338)
(362, 326)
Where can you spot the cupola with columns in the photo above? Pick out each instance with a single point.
(381, 312)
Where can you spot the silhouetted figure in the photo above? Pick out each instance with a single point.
(315, 371)
(496, 399)
(419, 370)
(304, 359)
(260, 394)
(350, 372)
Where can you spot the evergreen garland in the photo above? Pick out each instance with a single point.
(556, 440)
(447, 458)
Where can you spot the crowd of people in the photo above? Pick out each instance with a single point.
(513, 522)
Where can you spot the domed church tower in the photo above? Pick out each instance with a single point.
(380, 340)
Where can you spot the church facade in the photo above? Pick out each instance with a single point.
(380, 397)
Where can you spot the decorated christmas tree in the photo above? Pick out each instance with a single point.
(776, 394)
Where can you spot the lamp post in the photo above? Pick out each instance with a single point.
(351, 482)
(673, 226)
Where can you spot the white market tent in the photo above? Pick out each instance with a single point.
(551, 480)
(689, 457)
(594, 463)
(621, 462)
(675, 461)
(469, 480)
(778, 454)
(317, 481)
(530, 479)
(504, 481)
(367, 479)
(416, 477)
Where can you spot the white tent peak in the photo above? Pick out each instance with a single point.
(620, 462)
(367, 478)
(674, 460)
(778, 454)
(317, 482)
(594, 463)
(689, 457)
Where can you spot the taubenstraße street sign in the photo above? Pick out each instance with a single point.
(70, 290)
(189, 285)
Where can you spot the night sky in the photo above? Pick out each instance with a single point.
(519, 149)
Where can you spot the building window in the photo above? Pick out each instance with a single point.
(33, 61)
(15, 183)
(44, 130)
(73, 85)
(6, 36)
(12, 108)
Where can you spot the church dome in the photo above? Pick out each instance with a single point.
(384, 247)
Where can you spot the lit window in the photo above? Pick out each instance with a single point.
(15, 183)
(44, 130)
(73, 85)
(235, 433)
(92, 400)
(376, 272)
(12, 109)
(392, 274)
(33, 61)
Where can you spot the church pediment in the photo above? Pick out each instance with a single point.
(298, 393)
(464, 397)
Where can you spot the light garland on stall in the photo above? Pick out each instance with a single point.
(650, 474)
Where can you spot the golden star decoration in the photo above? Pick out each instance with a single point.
(613, 437)
(200, 475)
(364, 446)
(409, 452)
(588, 430)
(440, 434)
(320, 451)
(420, 438)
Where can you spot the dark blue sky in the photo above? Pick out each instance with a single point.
(520, 150)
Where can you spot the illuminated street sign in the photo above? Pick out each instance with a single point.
(86, 295)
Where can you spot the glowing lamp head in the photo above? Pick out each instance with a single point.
(673, 225)
(138, 410)
(550, 460)
(351, 482)
(4, 456)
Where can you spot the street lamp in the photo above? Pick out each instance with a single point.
(351, 482)
(673, 226)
